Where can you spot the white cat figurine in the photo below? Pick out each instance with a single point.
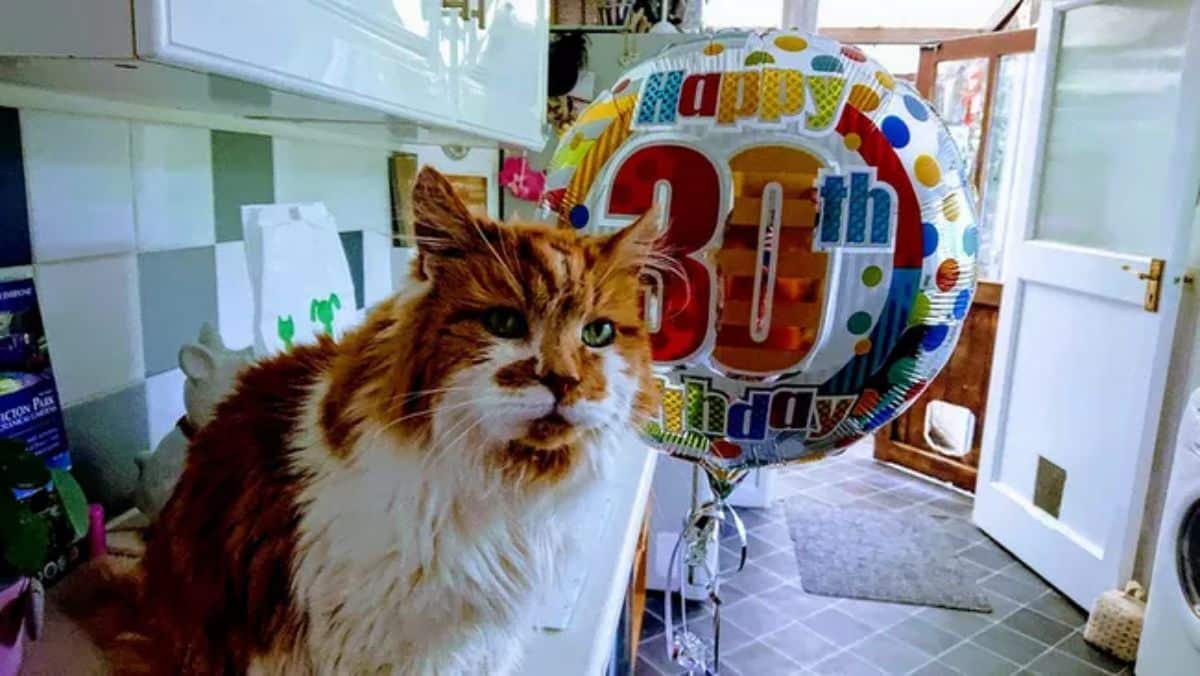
(211, 370)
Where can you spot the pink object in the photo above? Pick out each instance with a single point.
(12, 627)
(97, 537)
(522, 180)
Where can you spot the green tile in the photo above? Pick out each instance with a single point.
(178, 290)
(352, 246)
(106, 434)
(243, 173)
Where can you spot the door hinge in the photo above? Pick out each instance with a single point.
(1153, 279)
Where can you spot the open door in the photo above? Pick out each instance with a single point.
(977, 85)
(1092, 286)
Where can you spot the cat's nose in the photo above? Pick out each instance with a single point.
(559, 384)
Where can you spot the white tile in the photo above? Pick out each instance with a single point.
(402, 258)
(77, 171)
(235, 296)
(377, 267)
(352, 182)
(93, 322)
(172, 186)
(164, 403)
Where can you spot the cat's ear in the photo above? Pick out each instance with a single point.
(633, 245)
(443, 224)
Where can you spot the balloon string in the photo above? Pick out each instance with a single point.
(701, 531)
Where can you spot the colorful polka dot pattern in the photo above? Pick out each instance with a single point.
(783, 94)
(826, 91)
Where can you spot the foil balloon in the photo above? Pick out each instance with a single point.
(821, 232)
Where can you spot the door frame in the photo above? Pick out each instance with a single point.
(1121, 540)
(961, 472)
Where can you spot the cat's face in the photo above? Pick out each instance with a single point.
(532, 337)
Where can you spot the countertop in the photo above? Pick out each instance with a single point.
(583, 648)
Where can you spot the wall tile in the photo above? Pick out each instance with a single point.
(92, 312)
(352, 182)
(105, 435)
(242, 173)
(377, 267)
(402, 261)
(14, 219)
(80, 187)
(164, 403)
(172, 186)
(352, 246)
(235, 296)
(179, 293)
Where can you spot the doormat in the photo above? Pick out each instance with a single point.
(870, 554)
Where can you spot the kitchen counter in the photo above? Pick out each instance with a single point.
(583, 648)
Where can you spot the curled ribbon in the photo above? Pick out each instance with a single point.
(691, 553)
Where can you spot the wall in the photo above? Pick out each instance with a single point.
(131, 230)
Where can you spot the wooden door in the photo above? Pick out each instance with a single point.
(976, 84)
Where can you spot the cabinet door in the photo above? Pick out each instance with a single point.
(501, 73)
(391, 56)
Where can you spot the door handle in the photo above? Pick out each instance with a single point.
(466, 13)
(1153, 279)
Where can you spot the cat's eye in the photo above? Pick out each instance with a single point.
(599, 333)
(505, 322)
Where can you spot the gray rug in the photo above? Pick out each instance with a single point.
(871, 554)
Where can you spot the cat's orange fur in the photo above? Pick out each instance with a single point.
(286, 504)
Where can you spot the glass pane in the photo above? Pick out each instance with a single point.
(900, 60)
(959, 89)
(999, 163)
(1112, 126)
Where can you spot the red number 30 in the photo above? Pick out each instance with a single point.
(771, 279)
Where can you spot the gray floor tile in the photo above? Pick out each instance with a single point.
(1056, 606)
(961, 623)
(753, 518)
(924, 636)
(1037, 626)
(876, 614)
(755, 616)
(973, 660)
(759, 658)
(954, 505)
(837, 626)
(651, 625)
(1002, 606)
(890, 655)
(644, 668)
(782, 563)
(791, 600)
(912, 493)
(888, 500)
(882, 479)
(801, 644)
(1018, 571)
(857, 487)
(1009, 644)
(830, 495)
(1059, 663)
(987, 555)
(754, 579)
(1076, 646)
(845, 664)
(1021, 592)
(654, 652)
(937, 669)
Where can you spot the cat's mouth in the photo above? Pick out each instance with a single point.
(550, 430)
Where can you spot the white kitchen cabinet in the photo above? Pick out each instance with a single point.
(501, 69)
(388, 55)
(391, 62)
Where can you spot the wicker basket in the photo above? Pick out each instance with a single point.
(1115, 625)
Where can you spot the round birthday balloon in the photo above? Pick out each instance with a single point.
(822, 233)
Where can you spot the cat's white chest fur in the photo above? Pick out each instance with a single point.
(406, 564)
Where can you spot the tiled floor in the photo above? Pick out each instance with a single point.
(771, 626)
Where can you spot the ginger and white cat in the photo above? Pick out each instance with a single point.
(386, 503)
